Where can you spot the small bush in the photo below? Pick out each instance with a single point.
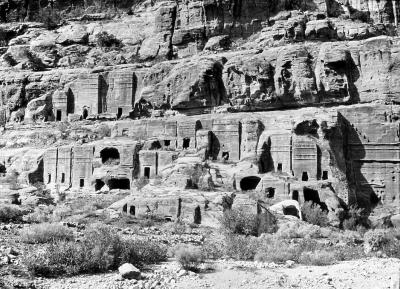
(238, 221)
(375, 240)
(240, 247)
(272, 249)
(189, 257)
(40, 214)
(104, 39)
(213, 247)
(45, 233)
(312, 213)
(355, 218)
(11, 213)
(299, 230)
(318, 258)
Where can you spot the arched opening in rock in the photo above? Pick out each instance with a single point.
(119, 113)
(270, 193)
(325, 175)
(249, 183)
(279, 168)
(167, 142)
(85, 113)
(70, 102)
(81, 183)
(147, 172)
(110, 156)
(122, 184)
(98, 185)
(58, 115)
(225, 156)
(155, 145)
(125, 208)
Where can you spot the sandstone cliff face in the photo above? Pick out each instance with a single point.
(122, 60)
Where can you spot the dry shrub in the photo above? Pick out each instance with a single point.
(293, 230)
(312, 213)
(101, 249)
(11, 213)
(355, 219)
(318, 258)
(240, 247)
(190, 257)
(45, 233)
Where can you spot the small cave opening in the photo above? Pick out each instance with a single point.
(81, 183)
(295, 195)
(279, 168)
(291, 211)
(249, 183)
(58, 115)
(147, 172)
(167, 142)
(225, 156)
(110, 156)
(85, 113)
(155, 145)
(186, 143)
(311, 195)
(270, 193)
(62, 178)
(325, 175)
(132, 210)
(122, 184)
(3, 169)
(98, 185)
(197, 215)
(304, 177)
(125, 208)
(119, 113)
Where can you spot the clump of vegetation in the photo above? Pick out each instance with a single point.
(355, 218)
(101, 249)
(240, 221)
(240, 247)
(105, 39)
(313, 214)
(45, 233)
(318, 258)
(11, 213)
(189, 257)
(299, 230)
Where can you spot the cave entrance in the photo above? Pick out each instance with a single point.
(81, 183)
(110, 156)
(122, 184)
(147, 172)
(132, 210)
(270, 192)
(85, 113)
(291, 211)
(70, 102)
(311, 195)
(325, 175)
(197, 215)
(119, 113)
(225, 156)
(155, 145)
(279, 167)
(125, 208)
(295, 195)
(63, 178)
(58, 115)
(304, 177)
(98, 185)
(249, 183)
(3, 169)
(167, 142)
(186, 143)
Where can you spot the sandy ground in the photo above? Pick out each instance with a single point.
(361, 274)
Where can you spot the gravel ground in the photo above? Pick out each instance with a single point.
(364, 274)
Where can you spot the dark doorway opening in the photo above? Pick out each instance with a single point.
(249, 183)
(311, 195)
(122, 184)
(62, 178)
(225, 156)
(279, 167)
(325, 175)
(85, 113)
(197, 215)
(132, 210)
(98, 185)
(304, 177)
(3, 169)
(48, 178)
(147, 172)
(295, 195)
(167, 142)
(81, 183)
(186, 143)
(291, 211)
(270, 192)
(155, 145)
(70, 102)
(58, 115)
(125, 208)
(119, 113)
(110, 156)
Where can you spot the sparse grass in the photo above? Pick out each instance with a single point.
(101, 249)
(189, 257)
(318, 258)
(45, 233)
